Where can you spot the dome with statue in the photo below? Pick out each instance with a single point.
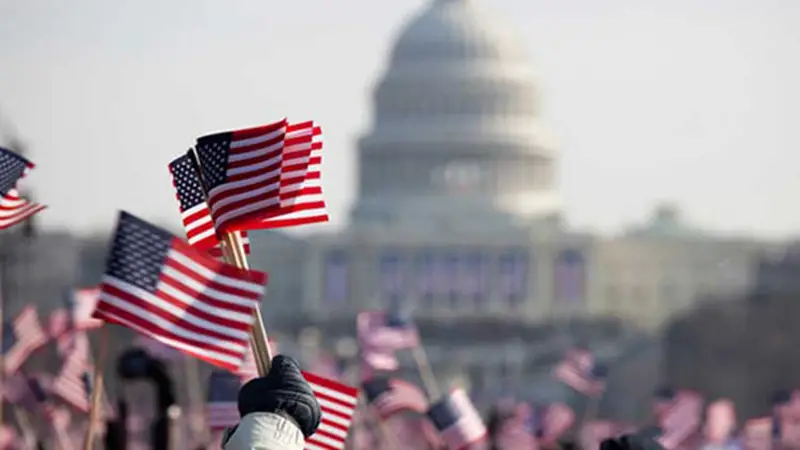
(455, 138)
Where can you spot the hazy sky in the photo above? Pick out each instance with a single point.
(694, 101)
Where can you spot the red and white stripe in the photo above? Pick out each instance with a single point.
(252, 181)
(30, 337)
(200, 306)
(69, 384)
(15, 209)
(301, 199)
(338, 402)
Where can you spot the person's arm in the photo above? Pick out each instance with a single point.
(278, 411)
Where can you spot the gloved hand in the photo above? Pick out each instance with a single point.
(631, 442)
(284, 391)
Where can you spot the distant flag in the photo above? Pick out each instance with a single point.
(72, 382)
(681, 420)
(386, 330)
(160, 286)
(197, 222)
(83, 303)
(22, 337)
(388, 396)
(338, 402)
(223, 392)
(580, 371)
(13, 208)
(301, 200)
(457, 420)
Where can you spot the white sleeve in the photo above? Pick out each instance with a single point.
(265, 431)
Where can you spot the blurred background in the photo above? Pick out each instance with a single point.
(527, 176)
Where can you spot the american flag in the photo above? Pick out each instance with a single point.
(301, 200)
(66, 324)
(388, 396)
(13, 208)
(680, 421)
(516, 431)
(338, 402)
(581, 372)
(156, 349)
(73, 382)
(197, 222)
(457, 421)
(570, 276)
(22, 337)
(223, 391)
(386, 330)
(160, 286)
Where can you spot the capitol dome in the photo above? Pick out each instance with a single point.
(455, 135)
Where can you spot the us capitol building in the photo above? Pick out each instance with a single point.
(458, 215)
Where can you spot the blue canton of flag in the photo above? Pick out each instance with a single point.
(13, 208)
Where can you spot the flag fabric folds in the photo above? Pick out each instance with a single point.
(195, 215)
(13, 208)
(22, 337)
(160, 286)
(338, 402)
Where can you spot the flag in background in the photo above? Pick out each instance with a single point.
(301, 200)
(21, 338)
(13, 208)
(196, 218)
(457, 421)
(338, 403)
(386, 330)
(72, 382)
(160, 286)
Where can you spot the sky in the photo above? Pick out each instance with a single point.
(686, 101)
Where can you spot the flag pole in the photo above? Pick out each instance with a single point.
(233, 253)
(236, 255)
(97, 389)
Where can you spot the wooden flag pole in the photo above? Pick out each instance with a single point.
(97, 389)
(234, 253)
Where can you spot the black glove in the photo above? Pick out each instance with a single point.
(284, 391)
(631, 442)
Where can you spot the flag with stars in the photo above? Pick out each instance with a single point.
(160, 286)
(197, 222)
(223, 393)
(13, 208)
(22, 337)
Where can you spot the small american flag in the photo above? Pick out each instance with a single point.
(72, 383)
(197, 222)
(223, 393)
(160, 286)
(386, 330)
(24, 336)
(338, 402)
(457, 421)
(301, 200)
(388, 396)
(13, 208)
(681, 420)
(579, 371)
